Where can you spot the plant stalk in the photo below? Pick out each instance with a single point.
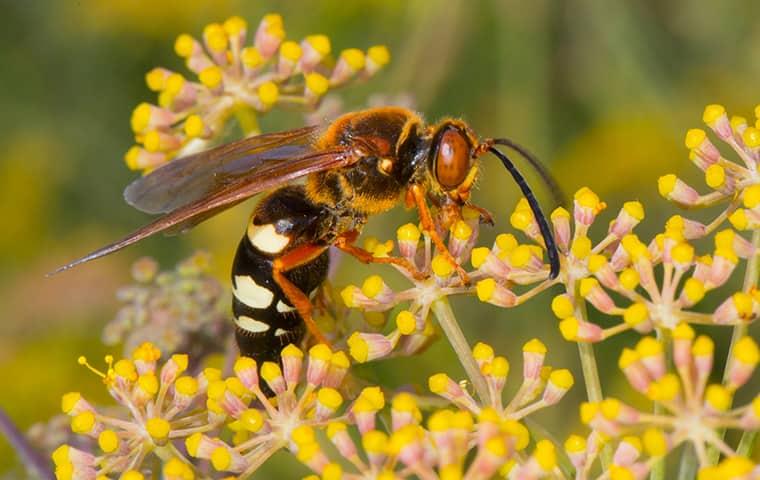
(688, 467)
(458, 342)
(590, 370)
(746, 444)
(688, 458)
(246, 118)
(740, 330)
(29, 457)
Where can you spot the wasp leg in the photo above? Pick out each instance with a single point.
(345, 244)
(429, 227)
(485, 216)
(295, 258)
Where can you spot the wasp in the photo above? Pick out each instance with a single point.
(362, 164)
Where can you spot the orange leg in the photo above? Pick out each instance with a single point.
(485, 215)
(295, 258)
(345, 243)
(429, 226)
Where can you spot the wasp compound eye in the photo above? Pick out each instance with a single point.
(452, 160)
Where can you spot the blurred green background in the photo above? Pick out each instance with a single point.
(603, 91)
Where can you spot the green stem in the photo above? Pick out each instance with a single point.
(248, 121)
(688, 458)
(448, 323)
(590, 370)
(746, 444)
(688, 468)
(740, 330)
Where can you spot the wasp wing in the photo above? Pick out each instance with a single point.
(265, 176)
(188, 179)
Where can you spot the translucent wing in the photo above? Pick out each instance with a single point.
(187, 179)
(235, 178)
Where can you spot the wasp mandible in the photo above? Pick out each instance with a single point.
(362, 164)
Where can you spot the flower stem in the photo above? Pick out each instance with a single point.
(590, 370)
(746, 444)
(740, 330)
(688, 468)
(247, 120)
(448, 323)
(658, 467)
(31, 459)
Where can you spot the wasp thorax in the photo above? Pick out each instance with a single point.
(452, 159)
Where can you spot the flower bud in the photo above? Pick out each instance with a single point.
(674, 189)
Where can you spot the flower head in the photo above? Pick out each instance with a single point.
(157, 403)
(241, 73)
(693, 408)
(163, 405)
(730, 181)
(541, 385)
(185, 309)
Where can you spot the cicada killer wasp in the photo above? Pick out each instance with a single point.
(363, 163)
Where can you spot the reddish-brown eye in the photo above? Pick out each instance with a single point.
(452, 158)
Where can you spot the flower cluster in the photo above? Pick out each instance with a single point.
(473, 441)
(413, 330)
(659, 301)
(299, 402)
(158, 408)
(624, 265)
(236, 76)
(541, 385)
(693, 409)
(182, 310)
(452, 444)
(730, 181)
(620, 263)
(303, 397)
(162, 406)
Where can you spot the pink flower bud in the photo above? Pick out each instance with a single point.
(292, 360)
(534, 353)
(634, 371)
(677, 190)
(723, 265)
(596, 296)
(487, 262)
(562, 234)
(338, 434)
(628, 451)
(490, 291)
(629, 216)
(319, 364)
(269, 35)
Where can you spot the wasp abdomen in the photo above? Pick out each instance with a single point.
(265, 319)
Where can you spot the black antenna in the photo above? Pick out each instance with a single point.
(557, 194)
(543, 224)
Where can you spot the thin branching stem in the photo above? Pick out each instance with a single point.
(450, 326)
(740, 330)
(590, 369)
(746, 444)
(32, 460)
(688, 458)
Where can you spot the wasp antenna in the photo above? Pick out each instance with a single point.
(551, 183)
(543, 224)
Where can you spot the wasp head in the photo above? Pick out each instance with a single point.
(452, 159)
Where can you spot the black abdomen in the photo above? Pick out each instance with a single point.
(264, 318)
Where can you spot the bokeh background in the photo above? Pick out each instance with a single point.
(602, 90)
